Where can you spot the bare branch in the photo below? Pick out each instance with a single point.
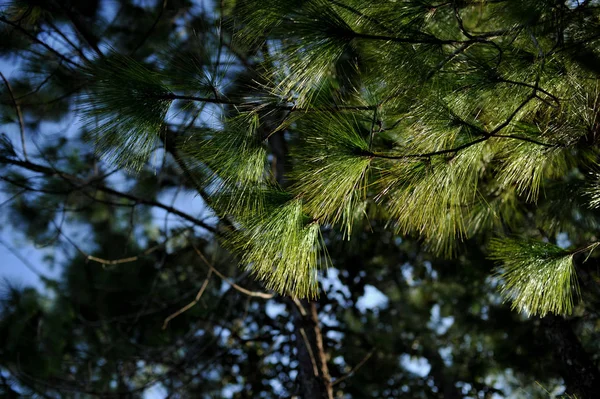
(244, 291)
(81, 184)
(355, 368)
(310, 352)
(191, 304)
(38, 41)
(151, 29)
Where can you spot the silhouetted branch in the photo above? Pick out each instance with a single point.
(81, 184)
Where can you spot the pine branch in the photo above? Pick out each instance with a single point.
(426, 39)
(538, 277)
(252, 294)
(369, 18)
(256, 104)
(81, 27)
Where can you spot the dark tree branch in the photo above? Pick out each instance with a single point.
(81, 27)
(81, 184)
(255, 104)
(369, 18)
(408, 40)
(355, 368)
(151, 29)
(38, 41)
(66, 39)
(312, 359)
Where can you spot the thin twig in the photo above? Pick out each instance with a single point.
(151, 29)
(19, 113)
(132, 258)
(244, 291)
(355, 369)
(41, 84)
(12, 197)
(81, 184)
(191, 304)
(369, 18)
(425, 39)
(299, 305)
(219, 100)
(66, 39)
(23, 260)
(82, 28)
(428, 154)
(38, 41)
(487, 135)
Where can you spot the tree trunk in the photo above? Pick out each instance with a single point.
(314, 378)
(581, 375)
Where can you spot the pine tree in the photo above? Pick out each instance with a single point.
(447, 121)
(463, 123)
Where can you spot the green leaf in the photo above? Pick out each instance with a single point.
(537, 277)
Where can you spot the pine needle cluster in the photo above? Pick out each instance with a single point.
(235, 162)
(281, 248)
(537, 277)
(451, 120)
(125, 109)
(331, 168)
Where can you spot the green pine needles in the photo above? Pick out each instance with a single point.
(448, 123)
(125, 109)
(537, 277)
(235, 160)
(331, 169)
(282, 248)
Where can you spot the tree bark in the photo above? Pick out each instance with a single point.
(314, 378)
(581, 375)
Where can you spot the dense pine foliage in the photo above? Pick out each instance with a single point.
(443, 152)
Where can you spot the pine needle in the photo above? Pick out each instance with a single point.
(538, 277)
(125, 109)
(430, 197)
(331, 171)
(234, 164)
(282, 250)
